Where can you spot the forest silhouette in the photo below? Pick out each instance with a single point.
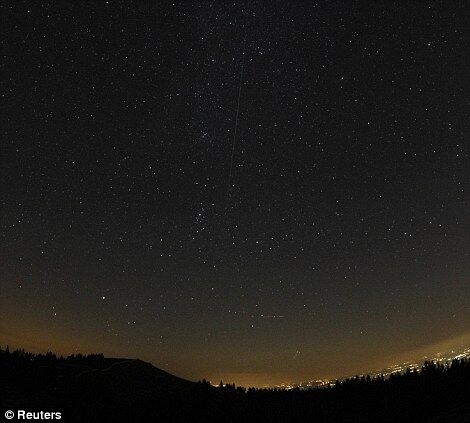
(88, 388)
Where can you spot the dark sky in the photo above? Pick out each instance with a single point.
(329, 235)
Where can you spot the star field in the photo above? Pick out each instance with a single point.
(328, 234)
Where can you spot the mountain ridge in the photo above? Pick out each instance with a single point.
(94, 388)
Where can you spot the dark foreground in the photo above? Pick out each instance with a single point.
(94, 388)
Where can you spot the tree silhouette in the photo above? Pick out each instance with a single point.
(95, 388)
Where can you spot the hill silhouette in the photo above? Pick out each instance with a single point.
(94, 388)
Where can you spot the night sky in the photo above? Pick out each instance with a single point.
(254, 191)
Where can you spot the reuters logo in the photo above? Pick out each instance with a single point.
(33, 415)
